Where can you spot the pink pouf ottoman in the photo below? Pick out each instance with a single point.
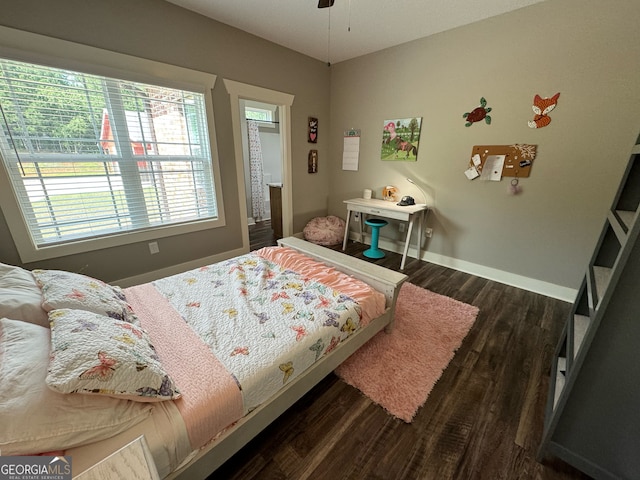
(325, 230)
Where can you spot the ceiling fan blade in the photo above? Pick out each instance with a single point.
(325, 3)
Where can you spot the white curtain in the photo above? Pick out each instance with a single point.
(256, 171)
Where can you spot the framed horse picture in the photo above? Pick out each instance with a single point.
(401, 139)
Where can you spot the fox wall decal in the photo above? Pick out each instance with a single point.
(541, 107)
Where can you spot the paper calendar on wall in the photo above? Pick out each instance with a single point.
(351, 150)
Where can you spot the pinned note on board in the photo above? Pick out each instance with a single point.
(471, 173)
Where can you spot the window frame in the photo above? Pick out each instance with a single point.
(262, 107)
(39, 49)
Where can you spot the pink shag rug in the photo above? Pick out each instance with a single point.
(398, 370)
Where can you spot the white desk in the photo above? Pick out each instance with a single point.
(382, 208)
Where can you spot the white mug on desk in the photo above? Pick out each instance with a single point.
(366, 194)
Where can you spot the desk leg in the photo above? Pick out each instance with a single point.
(420, 230)
(361, 223)
(406, 243)
(346, 231)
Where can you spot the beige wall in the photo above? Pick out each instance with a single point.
(161, 31)
(587, 50)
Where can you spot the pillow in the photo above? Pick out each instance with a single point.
(62, 289)
(20, 297)
(94, 354)
(36, 419)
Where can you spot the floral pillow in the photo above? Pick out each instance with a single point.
(34, 418)
(93, 354)
(62, 289)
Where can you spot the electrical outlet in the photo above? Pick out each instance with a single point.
(428, 232)
(401, 227)
(153, 248)
(356, 216)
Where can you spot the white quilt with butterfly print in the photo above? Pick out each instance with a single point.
(266, 324)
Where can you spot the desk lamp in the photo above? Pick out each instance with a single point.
(418, 187)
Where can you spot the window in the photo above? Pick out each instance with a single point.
(262, 113)
(91, 156)
(259, 114)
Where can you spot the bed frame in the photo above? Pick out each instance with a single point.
(388, 282)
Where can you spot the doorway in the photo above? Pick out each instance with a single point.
(262, 155)
(241, 95)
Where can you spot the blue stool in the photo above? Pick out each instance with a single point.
(374, 251)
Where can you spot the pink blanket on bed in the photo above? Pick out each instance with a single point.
(180, 350)
(371, 301)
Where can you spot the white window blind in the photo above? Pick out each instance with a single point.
(90, 156)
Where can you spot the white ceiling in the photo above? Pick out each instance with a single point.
(374, 24)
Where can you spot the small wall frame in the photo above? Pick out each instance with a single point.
(313, 161)
(312, 133)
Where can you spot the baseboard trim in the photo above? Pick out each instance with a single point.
(547, 289)
(537, 286)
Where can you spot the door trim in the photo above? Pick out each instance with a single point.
(237, 91)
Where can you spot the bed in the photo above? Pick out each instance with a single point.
(312, 305)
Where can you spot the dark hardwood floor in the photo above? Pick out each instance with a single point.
(483, 419)
(261, 235)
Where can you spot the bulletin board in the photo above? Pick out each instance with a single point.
(517, 162)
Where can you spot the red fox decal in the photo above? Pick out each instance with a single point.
(541, 107)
